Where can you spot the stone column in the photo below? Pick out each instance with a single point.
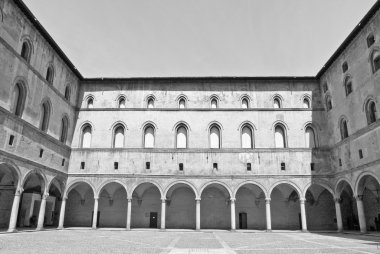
(62, 213)
(338, 212)
(95, 217)
(361, 214)
(14, 212)
(197, 214)
(303, 214)
(129, 210)
(233, 219)
(163, 213)
(41, 215)
(268, 215)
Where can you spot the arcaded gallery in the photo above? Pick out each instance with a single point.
(252, 153)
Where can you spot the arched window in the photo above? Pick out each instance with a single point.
(182, 103)
(246, 137)
(149, 137)
(371, 112)
(279, 135)
(90, 102)
(214, 102)
(86, 136)
(18, 99)
(375, 60)
(26, 51)
(325, 87)
(370, 40)
(343, 129)
(50, 74)
(45, 116)
(181, 137)
(118, 137)
(310, 137)
(150, 102)
(244, 103)
(306, 103)
(215, 137)
(67, 93)
(122, 102)
(328, 103)
(348, 85)
(277, 102)
(64, 128)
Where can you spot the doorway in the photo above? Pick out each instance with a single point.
(153, 220)
(243, 221)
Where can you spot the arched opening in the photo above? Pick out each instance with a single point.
(306, 103)
(246, 137)
(279, 136)
(320, 208)
(50, 74)
(146, 206)
(277, 102)
(343, 129)
(118, 137)
(348, 85)
(310, 140)
(18, 99)
(113, 205)
(29, 210)
(79, 206)
(244, 103)
(371, 112)
(64, 129)
(53, 203)
(67, 93)
(86, 136)
(181, 137)
(150, 103)
(122, 102)
(285, 207)
(215, 207)
(90, 102)
(375, 61)
(214, 103)
(250, 207)
(182, 103)
(369, 191)
(348, 206)
(8, 185)
(180, 207)
(328, 103)
(215, 137)
(26, 51)
(45, 116)
(149, 135)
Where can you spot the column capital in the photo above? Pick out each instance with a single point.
(233, 199)
(198, 199)
(358, 197)
(129, 199)
(19, 191)
(268, 199)
(45, 195)
(338, 200)
(96, 198)
(302, 200)
(163, 200)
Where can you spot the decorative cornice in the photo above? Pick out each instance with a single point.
(201, 109)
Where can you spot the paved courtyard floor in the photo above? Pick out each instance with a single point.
(172, 242)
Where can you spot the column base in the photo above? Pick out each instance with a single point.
(232, 230)
(94, 228)
(128, 229)
(197, 229)
(268, 230)
(162, 229)
(13, 230)
(39, 229)
(304, 231)
(60, 228)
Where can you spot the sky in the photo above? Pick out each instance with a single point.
(171, 38)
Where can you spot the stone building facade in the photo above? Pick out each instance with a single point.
(194, 153)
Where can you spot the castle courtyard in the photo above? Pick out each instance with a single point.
(181, 242)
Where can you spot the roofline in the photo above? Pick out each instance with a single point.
(207, 78)
(363, 22)
(20, 4)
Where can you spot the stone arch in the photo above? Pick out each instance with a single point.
(134, 187)
(295, 186)
(103, 184)
(39, 173)
(179, 123)
(373, 55)
(16, 169)
(338, 184)
(215, 182)
(181, 182)
(357, 187)
(252, 125)
(263, 189)
(70, 186)
(324, 185)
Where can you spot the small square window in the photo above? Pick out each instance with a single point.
(325, 87)
(116, 165)
(340, 162)
(11, 139)
(215, 166)
(360, 154)
(147, 165)
(180, 167)
(370, 40)
(312, 166)
(63, 162)
(41, 152)
(82, 165)
(344, 67)
(249, 167)
(283, 166)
